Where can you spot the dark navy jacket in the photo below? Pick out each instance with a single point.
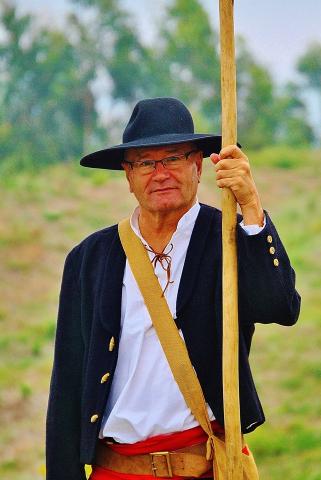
(89, 324)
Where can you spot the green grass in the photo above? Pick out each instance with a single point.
(45, 213)
(283, 157)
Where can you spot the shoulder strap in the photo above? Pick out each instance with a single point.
(173, 345)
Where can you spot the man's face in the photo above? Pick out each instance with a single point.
(163, 189)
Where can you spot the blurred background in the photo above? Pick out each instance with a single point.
(70, 73)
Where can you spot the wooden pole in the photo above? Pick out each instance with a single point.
(230, 293)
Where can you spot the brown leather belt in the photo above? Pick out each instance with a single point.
(185, 462)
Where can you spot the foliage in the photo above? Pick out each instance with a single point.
(114, 43)
(291, 113)
(54, 84)
(46, 94)
(256, 102)
(309, 64)
(189, 50)
(267, 116)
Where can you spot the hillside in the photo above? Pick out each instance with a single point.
(45, 213)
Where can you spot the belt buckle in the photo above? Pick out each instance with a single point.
(168, 463)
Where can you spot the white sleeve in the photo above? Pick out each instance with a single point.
(252, 229)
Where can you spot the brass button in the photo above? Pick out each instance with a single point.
(111, 344)
(272, 250)
(104, 378)
(276, 262)
(94, 418)
(269, 239)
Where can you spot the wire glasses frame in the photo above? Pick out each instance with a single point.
(147, 166)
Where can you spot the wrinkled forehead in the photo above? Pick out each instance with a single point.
(160, 151)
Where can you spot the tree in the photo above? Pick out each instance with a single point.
(189, 53)
(268, 116)
(257, 124)
(53, 82)
(293, 128)
(118, 52)
(46, 96)
(123, 65)
(309, 64)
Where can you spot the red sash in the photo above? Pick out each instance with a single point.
(167, 442)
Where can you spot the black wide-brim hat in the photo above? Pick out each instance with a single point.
(154, 122)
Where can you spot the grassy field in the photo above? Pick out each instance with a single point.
(45, 213)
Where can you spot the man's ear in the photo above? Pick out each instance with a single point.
(199, 164)
(126, 169)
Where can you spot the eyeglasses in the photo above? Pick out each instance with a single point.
(144, 167)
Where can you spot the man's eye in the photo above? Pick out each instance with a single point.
(146, 163)
(172, 159)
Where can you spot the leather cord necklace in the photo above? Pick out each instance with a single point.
(165, 261)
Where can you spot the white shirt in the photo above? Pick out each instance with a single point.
(145, 399)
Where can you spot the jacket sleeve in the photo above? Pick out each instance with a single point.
(267, 291)
(63, 414)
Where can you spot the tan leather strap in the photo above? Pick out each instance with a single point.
(185, 462)
(173, 345)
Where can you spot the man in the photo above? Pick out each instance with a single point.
(113, 397)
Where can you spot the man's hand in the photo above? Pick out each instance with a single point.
(233, 171)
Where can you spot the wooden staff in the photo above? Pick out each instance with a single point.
(230, 295)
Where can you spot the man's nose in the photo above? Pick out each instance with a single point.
(160, 170)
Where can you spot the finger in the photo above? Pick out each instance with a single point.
(215, 158)
(232, 163)
(225, 164)
(231, 173)
(234, 184)
(232, 151)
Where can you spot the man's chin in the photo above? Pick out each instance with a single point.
(170, 206)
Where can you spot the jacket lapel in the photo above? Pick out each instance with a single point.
(111, 287)
(194, 255)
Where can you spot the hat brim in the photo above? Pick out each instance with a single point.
(112, 158)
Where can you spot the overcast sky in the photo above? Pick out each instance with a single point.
(277, 31)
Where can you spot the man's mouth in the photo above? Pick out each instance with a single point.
(163, 190)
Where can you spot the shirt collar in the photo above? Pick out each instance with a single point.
(184, 226)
